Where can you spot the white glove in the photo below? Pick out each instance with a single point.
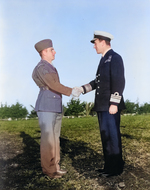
(77, 91)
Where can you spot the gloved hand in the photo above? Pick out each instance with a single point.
(77, 91)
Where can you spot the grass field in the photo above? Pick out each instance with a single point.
(81, 155)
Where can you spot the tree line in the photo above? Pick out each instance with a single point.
(15, 111)
(132, 107)
(74, 108)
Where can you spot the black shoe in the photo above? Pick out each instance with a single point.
(101, 171)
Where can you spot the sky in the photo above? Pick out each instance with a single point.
(71, 25)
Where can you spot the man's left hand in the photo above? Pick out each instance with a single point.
(77, 91)
(113, 109)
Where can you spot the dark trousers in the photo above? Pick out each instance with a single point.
(111, 141)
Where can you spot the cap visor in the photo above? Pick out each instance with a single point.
(92, 41)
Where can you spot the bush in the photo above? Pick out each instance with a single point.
(14, 111)
(74, 107)
(132, 107)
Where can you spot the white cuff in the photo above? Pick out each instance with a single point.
(115, 98)
(86, 88)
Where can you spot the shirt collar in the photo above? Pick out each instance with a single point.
(106, 52)
(43, 60)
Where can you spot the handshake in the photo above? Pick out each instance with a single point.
(76, 91)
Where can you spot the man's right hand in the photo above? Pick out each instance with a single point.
(77, 91)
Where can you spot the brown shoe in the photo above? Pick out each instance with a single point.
(61, 172)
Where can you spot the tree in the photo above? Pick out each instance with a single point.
(18, 111)
(14, 111)
(74, 107)
(144, 108)
(131, 107)
(4, 111)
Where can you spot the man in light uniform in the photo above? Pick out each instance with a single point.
(49, 108)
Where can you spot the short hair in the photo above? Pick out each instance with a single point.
(40, 53)
(106, 40)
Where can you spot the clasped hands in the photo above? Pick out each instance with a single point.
(76, 91)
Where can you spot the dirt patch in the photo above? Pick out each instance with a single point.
(10, 146)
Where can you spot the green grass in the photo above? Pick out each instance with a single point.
(81, 154)
(82, 129)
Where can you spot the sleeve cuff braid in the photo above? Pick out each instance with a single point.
(86, 88)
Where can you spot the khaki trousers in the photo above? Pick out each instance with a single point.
(50, 125)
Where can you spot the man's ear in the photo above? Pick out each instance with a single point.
(44, 51)
(103, 42)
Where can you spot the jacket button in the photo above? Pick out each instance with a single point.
(98, 87)
(98, 80)
(97, 93)
(54, 96)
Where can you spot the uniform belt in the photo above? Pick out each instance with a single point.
(44, 88)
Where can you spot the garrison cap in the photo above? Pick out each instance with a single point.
(43, 44)
(102, 35)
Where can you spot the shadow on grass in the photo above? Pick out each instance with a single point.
(84, 159)
(127, 136)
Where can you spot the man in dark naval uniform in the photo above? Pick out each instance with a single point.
(109, 85)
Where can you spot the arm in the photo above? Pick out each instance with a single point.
(83, 89)
(51, 80)
(89, 87)
(117, 83)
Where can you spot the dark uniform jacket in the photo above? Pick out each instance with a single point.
(51, 90)
(109, 82)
